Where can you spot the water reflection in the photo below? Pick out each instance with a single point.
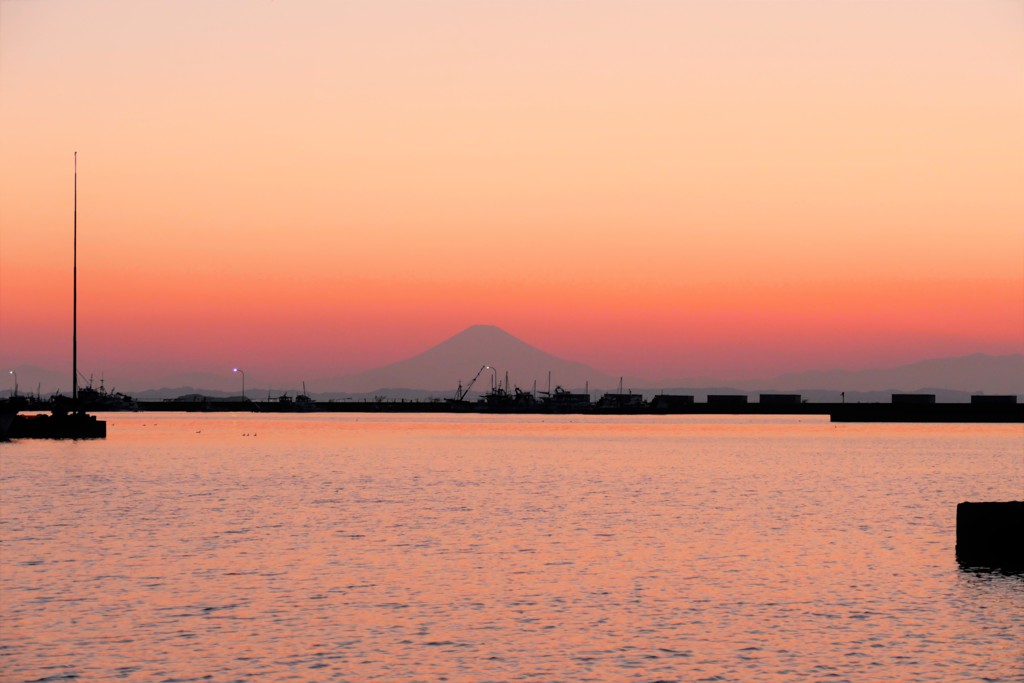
(483, 548)
(992, 576)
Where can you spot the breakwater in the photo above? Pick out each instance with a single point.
(837, 412)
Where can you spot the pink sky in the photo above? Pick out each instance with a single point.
(662, 189)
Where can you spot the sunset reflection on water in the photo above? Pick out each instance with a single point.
(473, 548)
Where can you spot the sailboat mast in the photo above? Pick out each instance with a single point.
(74, 314)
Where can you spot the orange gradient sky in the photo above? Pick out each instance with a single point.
(662, 189)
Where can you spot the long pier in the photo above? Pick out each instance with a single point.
(837, 412)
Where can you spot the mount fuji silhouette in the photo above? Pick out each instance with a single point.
(461, 357)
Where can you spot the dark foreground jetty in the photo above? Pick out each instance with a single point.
(902, 410)
(990, 535)
(73, 425)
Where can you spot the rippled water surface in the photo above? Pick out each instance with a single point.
(481, 548)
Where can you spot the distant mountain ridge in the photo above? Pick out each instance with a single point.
(976, 373)
(437, 372)
(459, 358)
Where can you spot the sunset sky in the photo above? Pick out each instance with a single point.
(662, 189)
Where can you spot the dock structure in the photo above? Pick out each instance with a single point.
(913, 399)
(993, 399)
(727, 399)
(990, 535)
(58, 425)
(780, 399)
(662, 404)
(926, 412)
(670, 403)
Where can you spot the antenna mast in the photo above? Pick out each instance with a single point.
(74, 314)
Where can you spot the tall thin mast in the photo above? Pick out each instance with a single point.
(74, 314)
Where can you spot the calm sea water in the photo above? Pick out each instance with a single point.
(478, 548)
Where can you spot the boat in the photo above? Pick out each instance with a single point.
(300, 403)
(101, 400)
(621, 402)
(500, 399)
(562, 400)
(303, 401)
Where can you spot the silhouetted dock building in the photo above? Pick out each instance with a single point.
(727, 399)
(913, 399)
(629, 400)
(993, 400)
(667, 402)
(563, 401)
(780, 399)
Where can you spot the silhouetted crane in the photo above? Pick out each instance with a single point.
(460, 393)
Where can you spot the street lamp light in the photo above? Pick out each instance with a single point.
(12, 372)
(242, 373)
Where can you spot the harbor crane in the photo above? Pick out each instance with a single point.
(460, 393)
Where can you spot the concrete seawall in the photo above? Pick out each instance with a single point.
(837, 412)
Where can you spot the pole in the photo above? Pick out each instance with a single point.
(74, 314)
(242, 373)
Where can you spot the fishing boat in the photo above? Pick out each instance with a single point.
(104, 401)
